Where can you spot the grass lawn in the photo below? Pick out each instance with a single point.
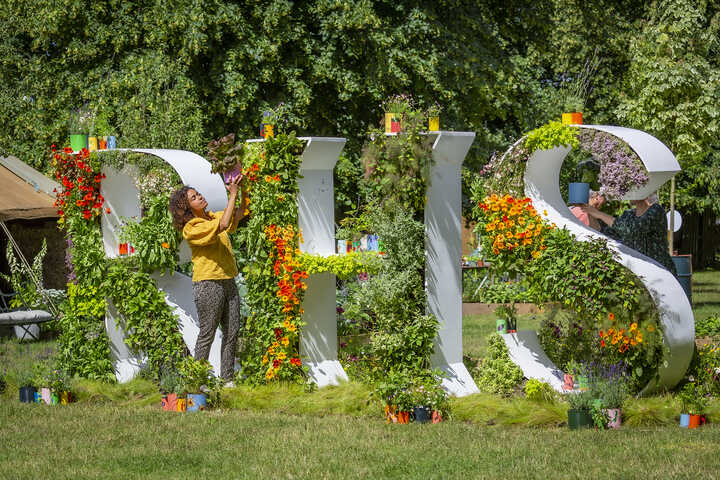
(706, 293)
(112, 441)
(119, 431)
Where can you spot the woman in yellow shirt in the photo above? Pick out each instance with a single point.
(214, 269)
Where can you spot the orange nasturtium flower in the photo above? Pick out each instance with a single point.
(165, 245)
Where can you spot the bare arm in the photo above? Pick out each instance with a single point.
(595, 213)
(227, 216)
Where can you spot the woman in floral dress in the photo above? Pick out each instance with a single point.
(643, 228)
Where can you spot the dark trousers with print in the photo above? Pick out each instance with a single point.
(218, 303)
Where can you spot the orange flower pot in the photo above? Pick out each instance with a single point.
(390, 414)
(436, 417)
(403, 418)
(574, 118)
(695, 421)
(181, 404)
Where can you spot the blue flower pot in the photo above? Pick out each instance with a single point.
(421, 414)
(196, 402)
(27, 394)
(684, 420)
(111, 142)
(579, 193)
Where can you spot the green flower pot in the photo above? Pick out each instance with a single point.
(579, 419)
(500, 325)
(78, 141)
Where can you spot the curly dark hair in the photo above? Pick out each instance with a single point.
(180, 207)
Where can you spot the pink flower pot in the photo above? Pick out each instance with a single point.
(614, 417)
(45, 394)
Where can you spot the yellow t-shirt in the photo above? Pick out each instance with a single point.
(212, 253)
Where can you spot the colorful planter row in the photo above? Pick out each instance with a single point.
(393, 123)
(418, 415)
(367, 243)
(47, 396)
(193, 402)
(692, 421)
(80, 141)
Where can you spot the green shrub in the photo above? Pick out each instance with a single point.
(708, 327)
(539, 391)
(497, 373)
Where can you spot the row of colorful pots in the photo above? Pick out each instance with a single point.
(80, 141)
(418, 415)
(192, 402)
(393, 123)
(31, 395)
(692, 421)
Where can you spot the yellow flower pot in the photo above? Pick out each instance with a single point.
(434, 124)
(389, 118)
(269, 131)
(92, 144)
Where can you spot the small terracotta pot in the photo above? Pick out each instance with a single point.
(436, 417)
(403, 418)
(102, 143)
(568, 382)
(395, 126)
(169, 402)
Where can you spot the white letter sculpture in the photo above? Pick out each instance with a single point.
(542, 177)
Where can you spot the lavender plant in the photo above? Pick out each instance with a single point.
(621, 170)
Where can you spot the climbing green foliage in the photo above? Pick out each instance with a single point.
(342, 266)
(496, 373)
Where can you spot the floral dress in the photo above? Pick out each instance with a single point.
(646, 233)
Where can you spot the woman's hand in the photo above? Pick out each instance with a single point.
(595, 213)
(234, 185)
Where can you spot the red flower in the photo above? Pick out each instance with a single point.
(276, 363)
(107, 210)
(278, 333)
(295, 361)
(602, 343)
(87, 214)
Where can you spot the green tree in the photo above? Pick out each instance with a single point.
(672, 87)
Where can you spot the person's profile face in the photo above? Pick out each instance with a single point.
(597, 201)
(196, 201)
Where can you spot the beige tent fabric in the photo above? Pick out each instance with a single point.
(20, 200)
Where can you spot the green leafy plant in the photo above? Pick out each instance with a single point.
(509, 314)
(539, 391)
(81, 120)
(708, 327)
(342, 266)
(21, 281)
(496, 373)
(582, 400)
(195, 374)
(399, 104)
(551, 135)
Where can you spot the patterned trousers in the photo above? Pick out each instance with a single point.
(218, 303)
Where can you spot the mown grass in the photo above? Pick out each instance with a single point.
(706, 294)
(111, 441)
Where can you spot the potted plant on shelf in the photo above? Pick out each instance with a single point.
(79, 127)
(196, 375)
(685, 396)
(506, 321)
(576, 90)
(433, 114)
(579, 412)
(395, 109)
(586, 178)
(225, 156)
(394, 392)
(103, 131)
